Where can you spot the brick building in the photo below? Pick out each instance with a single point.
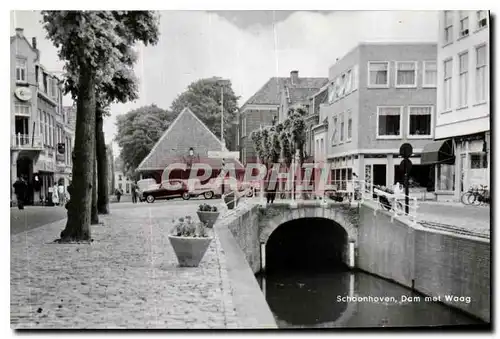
(461, 153)
(380, 95)
(271, 102)
(41, 133)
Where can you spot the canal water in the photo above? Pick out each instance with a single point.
(342, 298)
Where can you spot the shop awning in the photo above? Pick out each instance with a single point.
(438, 152)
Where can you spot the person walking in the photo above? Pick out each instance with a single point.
(62, 196)
(20, 188)
(55, 195)
(134, 193)
(118, 194)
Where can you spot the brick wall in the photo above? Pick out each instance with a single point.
(437, 264)
(254, 119)
(245, 230)
(370, 98)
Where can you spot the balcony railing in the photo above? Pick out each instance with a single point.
(25, 141)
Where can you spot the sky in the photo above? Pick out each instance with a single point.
(247, 47)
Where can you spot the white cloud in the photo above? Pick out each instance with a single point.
(195, 44)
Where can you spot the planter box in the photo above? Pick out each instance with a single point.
(208, 218)
(189, 251)
(230, 200)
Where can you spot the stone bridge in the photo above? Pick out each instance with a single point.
(272, 216)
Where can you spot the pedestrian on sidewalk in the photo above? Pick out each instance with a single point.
(55, 195)
(118, 193)
(20, 189)
(134, 193)
(62, 195)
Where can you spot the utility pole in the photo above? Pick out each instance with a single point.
(223, 144)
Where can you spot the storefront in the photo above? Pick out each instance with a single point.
(459, 163)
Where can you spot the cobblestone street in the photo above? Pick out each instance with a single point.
(127, 278)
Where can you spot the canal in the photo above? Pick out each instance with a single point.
(343, 298)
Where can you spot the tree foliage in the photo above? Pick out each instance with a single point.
(282, 141)
(138, 131)
(95, 47)
(203, 97)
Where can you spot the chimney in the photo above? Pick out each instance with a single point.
(294, 77)
(20, 32)
(33, 42)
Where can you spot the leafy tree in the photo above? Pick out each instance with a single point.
(94, 45)
(138, 131)
(203, 97)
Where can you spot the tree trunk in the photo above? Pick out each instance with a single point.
(94, 217)
(102, 168)
(78, 223)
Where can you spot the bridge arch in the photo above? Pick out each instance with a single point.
(331, 227)
(278, 215)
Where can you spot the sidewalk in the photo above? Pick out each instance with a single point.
(472, 218)
(127, 278)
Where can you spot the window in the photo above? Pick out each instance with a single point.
(464, 24)
(40, 128)
(53, 93)
(21, 70)
(127, 188)
(354, 78)
(331, 92)
(430, 74)
(342, 126)
(463, 79)
(445, 177)
(406, 74)
(45, 83)
(378, 74)
(349, 125)
(389, 121)
(322, 147)
(482, 19)
(420, 121)
(348, 82)
(448, 27)
(51, 124)
(342, 86)
(478, 161)
(447, 84)
(481, 76)
(22, 109)
(119, 177)
(338, 85)
(46, 128)
(334, 129)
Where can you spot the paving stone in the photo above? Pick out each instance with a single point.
(127, 278)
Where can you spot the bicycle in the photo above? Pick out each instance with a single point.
(476, 196)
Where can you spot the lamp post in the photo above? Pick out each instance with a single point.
(190, 158)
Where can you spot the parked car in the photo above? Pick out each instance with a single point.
(177, 189)
(144, 185)
(208, 190)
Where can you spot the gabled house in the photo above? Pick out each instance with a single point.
(187, 140)
(270, 104)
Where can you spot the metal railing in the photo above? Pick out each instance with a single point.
(345, 191)
(25, 141)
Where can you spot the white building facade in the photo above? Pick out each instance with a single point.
(42, 132)
(463, 102)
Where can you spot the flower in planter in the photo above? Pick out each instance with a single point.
(207, 208)
(186, 227)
